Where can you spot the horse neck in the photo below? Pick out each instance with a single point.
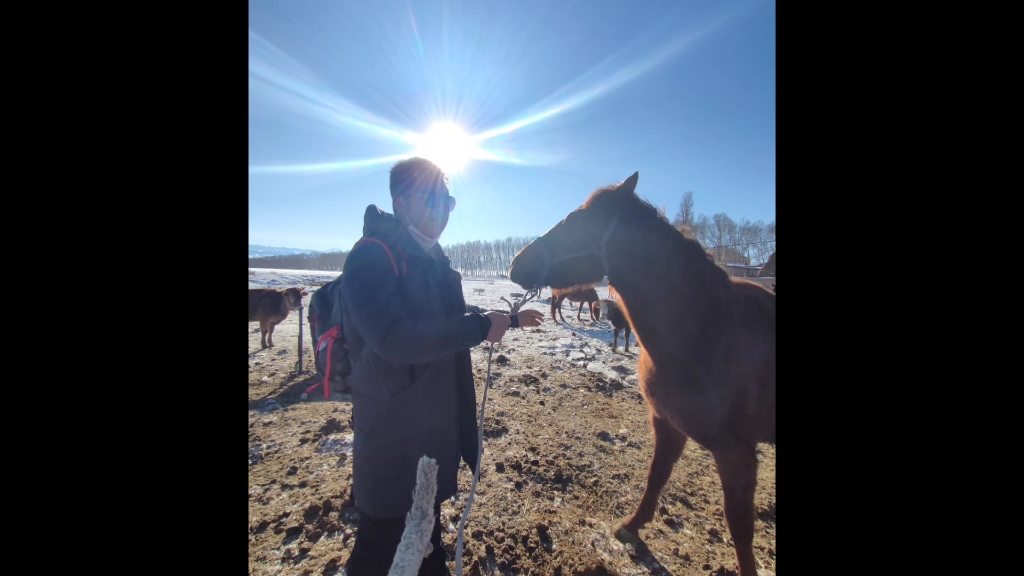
(675, 280)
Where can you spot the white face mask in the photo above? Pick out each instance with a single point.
(422, 239)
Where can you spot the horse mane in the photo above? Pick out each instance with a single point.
(686, 231)
(642, 211)
(598, 193)
(699, 265)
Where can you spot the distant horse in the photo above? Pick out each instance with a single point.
(707, 366)
(617, 317)
(583, 295)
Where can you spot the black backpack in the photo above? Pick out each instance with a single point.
(330, 349)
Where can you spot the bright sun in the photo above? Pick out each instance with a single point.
(446, 145)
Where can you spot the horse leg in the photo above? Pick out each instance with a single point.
(263, 333)
(270, 334)
(579, 313)
(668, 447)
(627, 338)
(615, 339)
(554, 304)
(737, 468)
(560, 312)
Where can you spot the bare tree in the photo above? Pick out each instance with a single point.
(719, 231)
(685, 215)
(702, 231)
(757, 243)
(747, 235)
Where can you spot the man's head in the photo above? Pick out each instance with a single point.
(419, 191)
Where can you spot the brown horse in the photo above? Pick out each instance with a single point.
(707, 367)
(582, 294)
(617, 317)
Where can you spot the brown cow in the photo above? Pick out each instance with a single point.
(583, 295)
(270, 307)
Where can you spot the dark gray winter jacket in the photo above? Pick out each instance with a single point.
(412, 378)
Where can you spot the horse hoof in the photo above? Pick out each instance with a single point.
(623, 534)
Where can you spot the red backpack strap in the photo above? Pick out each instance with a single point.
(330, 336)
(394, 265)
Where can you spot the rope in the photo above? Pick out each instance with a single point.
(479, 465)
(530, 295)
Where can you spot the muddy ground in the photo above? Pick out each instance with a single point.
(566, 454)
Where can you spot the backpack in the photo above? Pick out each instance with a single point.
(330, 349)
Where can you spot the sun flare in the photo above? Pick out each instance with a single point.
(448, 146)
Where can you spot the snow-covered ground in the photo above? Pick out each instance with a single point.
(585, 343)
(274, 278)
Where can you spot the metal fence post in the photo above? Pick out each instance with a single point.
(301, 308)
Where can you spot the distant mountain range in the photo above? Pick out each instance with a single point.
(257, 251)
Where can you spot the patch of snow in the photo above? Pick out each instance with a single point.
(573, 343)
(336, 445)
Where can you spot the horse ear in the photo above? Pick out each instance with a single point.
(628, 186)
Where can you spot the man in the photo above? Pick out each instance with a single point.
(409, 333)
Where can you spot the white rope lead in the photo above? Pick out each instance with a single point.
(530, 295)
(479, 464)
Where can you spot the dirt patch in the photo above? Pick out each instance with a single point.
(566, 453)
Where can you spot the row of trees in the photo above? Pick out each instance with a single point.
(483, 258)
(729, 241)
(329, 261)
(477, 258)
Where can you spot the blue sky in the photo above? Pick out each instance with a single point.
(568, 95)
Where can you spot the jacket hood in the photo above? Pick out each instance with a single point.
(377, 222)
(392, 230)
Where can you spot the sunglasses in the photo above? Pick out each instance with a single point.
(437, 202)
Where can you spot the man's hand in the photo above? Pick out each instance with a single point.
(530, 318)
(499, 324)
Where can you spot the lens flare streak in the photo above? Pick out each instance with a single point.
(277, 77)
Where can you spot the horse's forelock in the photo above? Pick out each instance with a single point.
(633, 200)
(597, 194)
